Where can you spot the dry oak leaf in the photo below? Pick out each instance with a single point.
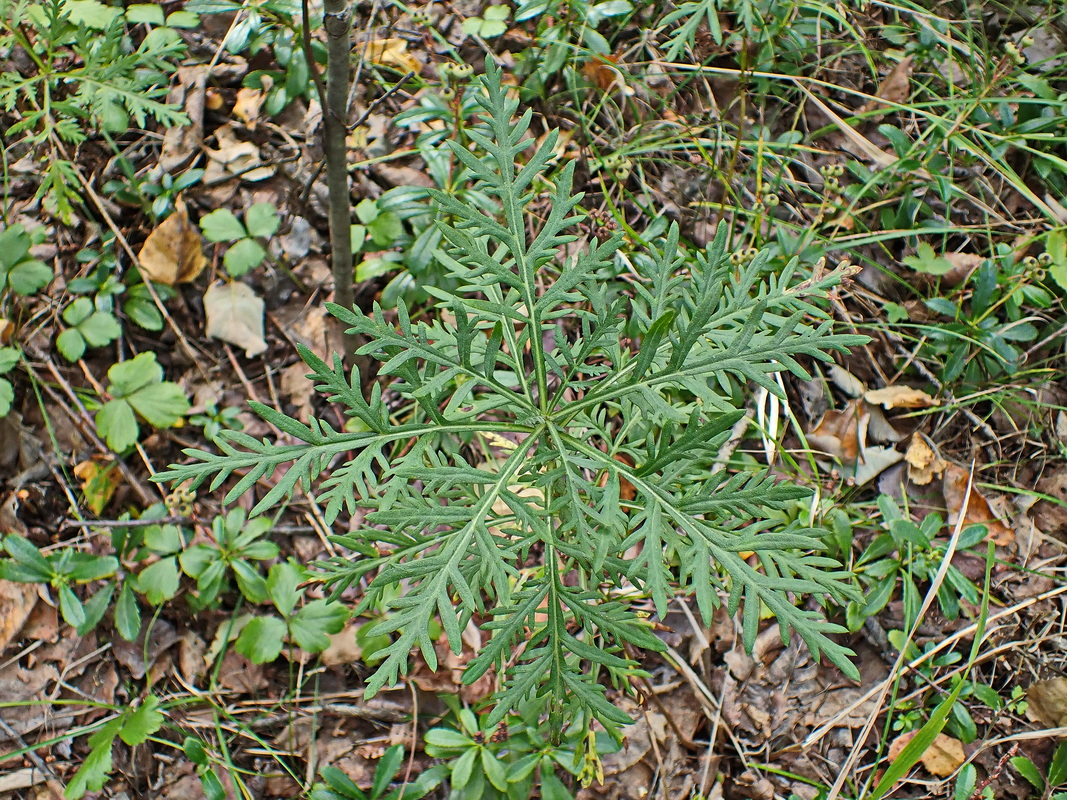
(924, 462)
(235, 315)
(895, 87)
(979, 511)
(393, 53)
(173, 252)
(899, 396)
(1047, 702)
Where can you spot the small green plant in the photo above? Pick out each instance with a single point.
(133, 726)
(137, 389)
(529, 355)
(505, 761)
(153, 195)
(262, 638)
(88, 326)
(245, 253)
(335, 785)
(909, 555)
(87, 76)
(215, 420)
(20, 272)
(239, 541)
(61, 570)
(1046, 783)
(493, 22)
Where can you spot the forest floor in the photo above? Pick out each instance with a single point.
(164, 209)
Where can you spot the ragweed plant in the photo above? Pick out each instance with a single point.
(527, 355)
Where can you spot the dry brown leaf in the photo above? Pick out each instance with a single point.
(924, 462)
(249, 101)
(343, 649)
(16, 602)
(235, 315)
(944, 756)
(234, 158)
(173, 252)
(843, 433)
(182, 142)
(1047, 702)
(299, 388)
(979, 512)
(393, 53)
(963, 264)
(895, 87)
(899, 396)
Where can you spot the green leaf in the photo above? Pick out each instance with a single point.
(28, 557)
(1057, 768)
(92, 774)
(128, 377)
(7, 396)
(142, 722)
(29, 277)
(9, 357)
(71, 344)
(315, 622)
(116, 422)
(262, 220)
(159, 582)
(161, 404)
(100, 329)
(283, 582)
(222, 226)
(262, 639)
(1025, 767)
(147, 13)
(78, 311)
(244, 256)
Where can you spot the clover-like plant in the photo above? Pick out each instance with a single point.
(547, 470)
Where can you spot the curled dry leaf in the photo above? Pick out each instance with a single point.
(843, 435)
(173, 252)
(234, 158)
(393, 53)
(235, 315)
(979, 511)
(1047, 702)
(249, 101)
(899, 396)
(924, 462)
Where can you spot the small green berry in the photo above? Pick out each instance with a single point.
(1045, 259)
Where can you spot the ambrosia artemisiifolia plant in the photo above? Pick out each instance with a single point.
(601, 488)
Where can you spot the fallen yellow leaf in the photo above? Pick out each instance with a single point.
(924, 462)
(899, 396)
(173, 252)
